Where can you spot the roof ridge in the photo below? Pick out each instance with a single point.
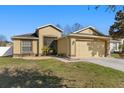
(50, 25)
(82, 29)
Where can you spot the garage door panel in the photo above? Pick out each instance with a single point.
(90, 49)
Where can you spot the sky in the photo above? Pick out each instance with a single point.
(16, 20)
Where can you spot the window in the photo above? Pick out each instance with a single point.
(115, 46)
(26, 46)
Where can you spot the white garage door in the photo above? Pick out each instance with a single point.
(94, 48)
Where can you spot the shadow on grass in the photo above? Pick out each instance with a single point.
(28, 78)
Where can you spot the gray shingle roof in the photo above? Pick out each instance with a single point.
(33, 35)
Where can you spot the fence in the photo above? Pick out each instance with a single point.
(6, 51)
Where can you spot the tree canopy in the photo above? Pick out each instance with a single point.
(70, 28)
(3, 40)
(117, 29)
(113, 8)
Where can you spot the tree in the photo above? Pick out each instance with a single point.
(121, 47)
(67, 30)
(112, 8)
(117, 29)
(59, 26)
(76, 26)
(3, 40)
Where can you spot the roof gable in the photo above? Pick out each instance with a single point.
(35, 34)
(89, 30)
(50, 26)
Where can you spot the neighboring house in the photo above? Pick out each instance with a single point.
(87, 42)
(121, 40)
(115, 44)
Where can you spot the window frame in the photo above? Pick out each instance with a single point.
(26, 46)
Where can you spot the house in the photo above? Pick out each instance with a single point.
(116, 41)
(115, 44)
(87, 42)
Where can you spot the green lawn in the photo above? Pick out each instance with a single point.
(115, 55)
(52, 73)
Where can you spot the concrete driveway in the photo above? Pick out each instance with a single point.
(107, 62)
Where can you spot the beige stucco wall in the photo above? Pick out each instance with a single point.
(107, 42)
(88, 31)
(16, 46)
(72, 46)
(34, 46)
(63, 46)
(47, 31)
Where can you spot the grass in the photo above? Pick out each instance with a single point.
(115, 55)
(52, 73)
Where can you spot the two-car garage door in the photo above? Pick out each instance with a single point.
(88, 48)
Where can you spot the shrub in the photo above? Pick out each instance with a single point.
(121, 47)
(45, 50)
(2, 43)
